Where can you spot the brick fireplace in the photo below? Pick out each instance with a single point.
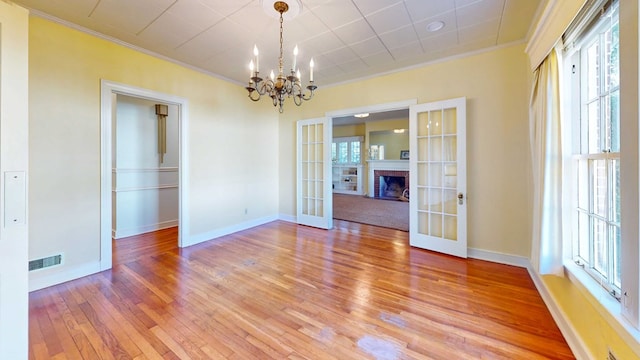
(387, 173)
(377, 168)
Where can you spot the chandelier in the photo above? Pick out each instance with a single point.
(280, 87)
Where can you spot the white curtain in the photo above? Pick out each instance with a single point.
(546, 154)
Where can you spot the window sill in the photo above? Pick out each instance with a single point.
(604, 303)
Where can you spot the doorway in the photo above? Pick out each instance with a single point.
(145, 171)
(363, 205)
(109, 108)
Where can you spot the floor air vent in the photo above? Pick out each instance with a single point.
(611, 356)
(45, 262)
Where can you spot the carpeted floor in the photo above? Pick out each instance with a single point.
(365, 210)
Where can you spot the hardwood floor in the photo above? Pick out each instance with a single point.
(282, 291)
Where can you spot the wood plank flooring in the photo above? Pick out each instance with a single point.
(283, 291)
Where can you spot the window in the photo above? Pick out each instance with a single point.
(346, 150)
(596, 152)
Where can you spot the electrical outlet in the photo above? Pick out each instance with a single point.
(246, 211)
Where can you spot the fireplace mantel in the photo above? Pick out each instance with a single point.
(389, 165)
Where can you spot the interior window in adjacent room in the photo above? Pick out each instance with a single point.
(346, 150)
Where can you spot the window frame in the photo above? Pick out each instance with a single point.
(580, 152)
(349, 140)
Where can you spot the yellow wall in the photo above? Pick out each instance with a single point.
(495, 84)
(393, 143)
(232, 143)
(349, 130)
(585, 316)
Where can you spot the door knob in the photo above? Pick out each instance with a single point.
(460, 197)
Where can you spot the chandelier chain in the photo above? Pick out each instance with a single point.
(281, 41)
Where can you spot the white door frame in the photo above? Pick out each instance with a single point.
(398, 105)
(107, 106)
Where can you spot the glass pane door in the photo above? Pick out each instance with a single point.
(314, 198)
(438, 177)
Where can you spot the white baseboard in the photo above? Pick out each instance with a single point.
(577, 346)
(40, 279)
(496, 257)
(122, 233)
(213, 234)
(288, 218)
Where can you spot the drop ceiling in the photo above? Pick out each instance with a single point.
(348, 39)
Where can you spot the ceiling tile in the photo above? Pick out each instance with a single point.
(399, 37)
(390, 19)
(448, 18)
(369, 47)
(378, 59)
(482, 31)
(212, 41)
(428, 9)
(192, 14)
(440, 42)
(370, 6)
(337, 13)
(259, 19)
(323, 43)
(70, 10)
(354, 32)
(130, 16)
(163, 34)
(223, 7)
(353, 65)
(512, 28)
(479, 12)
(409, 50)
(304, 26)
(463, 3)
(341, 55)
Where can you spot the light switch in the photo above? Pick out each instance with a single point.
(15, 198)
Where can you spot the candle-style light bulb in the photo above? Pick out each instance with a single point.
(272, 76)
(298, 74)
(311, 70)
(255, 54)
(295, 57)
(251, 69)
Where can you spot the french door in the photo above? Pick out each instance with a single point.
(314, 195)
(437, 183)
(14, 165)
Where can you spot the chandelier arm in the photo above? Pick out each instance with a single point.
(253, 94)
(296, 92)
(266, 87)
(308, 95)
(296, 99)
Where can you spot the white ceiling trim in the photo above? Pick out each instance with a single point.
(555, 19)
(397, 105)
